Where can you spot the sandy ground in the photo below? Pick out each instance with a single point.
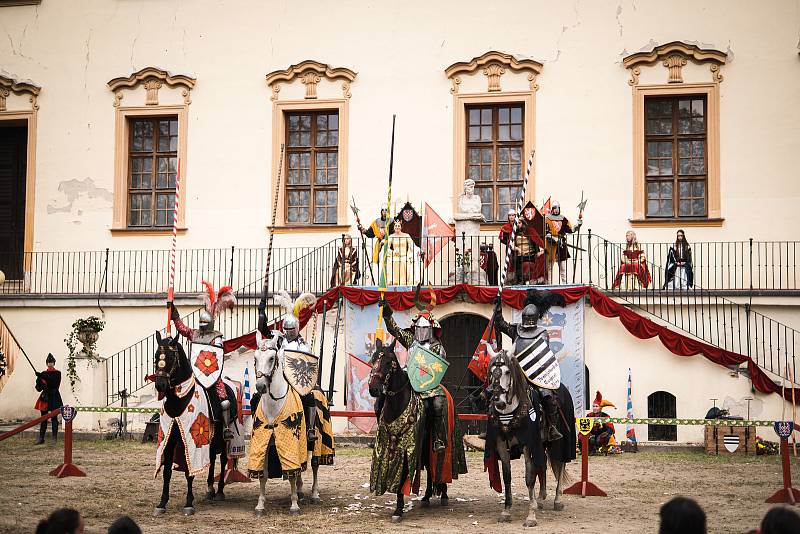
(120, 481)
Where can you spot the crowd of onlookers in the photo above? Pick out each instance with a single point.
(681, 515)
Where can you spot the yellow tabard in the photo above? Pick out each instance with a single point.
(289, 431)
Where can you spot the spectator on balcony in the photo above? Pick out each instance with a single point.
(633, 273)
(401, 253)
(48, 382)
(678, 273)
(345, 267)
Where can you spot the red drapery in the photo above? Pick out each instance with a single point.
(637, 325)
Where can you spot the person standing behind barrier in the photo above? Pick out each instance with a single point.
(48, 382)
(682, 515)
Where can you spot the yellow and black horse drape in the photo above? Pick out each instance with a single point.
(324, 449)
(289, 433)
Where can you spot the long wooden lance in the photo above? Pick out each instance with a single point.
(581, 207)
(263, 304)
(517, 213)
(379, 334)
(171, 290)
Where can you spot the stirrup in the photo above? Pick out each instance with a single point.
(439, 445)
(227, 435)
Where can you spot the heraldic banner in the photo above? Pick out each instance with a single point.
(566, 329)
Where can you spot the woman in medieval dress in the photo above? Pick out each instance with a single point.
(633, 273)
(401, 255)
(679, 272)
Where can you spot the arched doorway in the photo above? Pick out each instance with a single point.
(461, 334)
(661, 404)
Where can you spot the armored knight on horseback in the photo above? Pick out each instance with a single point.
(206, 354)
(532, 351)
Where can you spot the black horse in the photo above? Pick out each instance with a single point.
(173, 369)
(219, 447)
(390, 384)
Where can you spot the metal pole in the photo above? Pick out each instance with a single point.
(331, 375)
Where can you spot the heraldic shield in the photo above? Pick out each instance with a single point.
(540, 364)
(301, 370)
(207, 361)
(425, 369)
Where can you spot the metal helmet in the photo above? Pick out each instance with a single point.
(530, 320)
(291, 327)
(206, 319)
(423, 330)
(555, 206)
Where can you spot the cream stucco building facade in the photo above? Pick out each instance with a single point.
(229, 76)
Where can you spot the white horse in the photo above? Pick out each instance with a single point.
(273, 387)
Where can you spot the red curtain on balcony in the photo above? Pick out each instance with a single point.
(637, 325)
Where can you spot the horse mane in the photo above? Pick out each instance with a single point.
(519, 382)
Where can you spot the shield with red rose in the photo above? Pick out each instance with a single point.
(207, 361)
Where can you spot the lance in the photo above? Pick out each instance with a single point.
(322, 343)
(379, 330)
(367, 259)
(20, 348)
(335, 347)
(263, 304)
(581, 206)
(516, 222)
(171, 290)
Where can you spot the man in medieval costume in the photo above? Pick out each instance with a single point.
(425, 332)
(345, 267)
(377, 230)
(602, 434)
(48, 382)
(532, 351)
(206, 354)
(557, 228)
(526, 250)
(300, 365)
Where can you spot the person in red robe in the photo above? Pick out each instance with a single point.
(48, 382)
(633, 273)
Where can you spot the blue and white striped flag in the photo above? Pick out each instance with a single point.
(246, 400)
(630, 432)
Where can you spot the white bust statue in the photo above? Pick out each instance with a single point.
(469, 204)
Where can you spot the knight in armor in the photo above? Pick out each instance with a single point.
(556, 245)
(377, 230)
(207, 335)
(426, 332)
(290, 325)
(532, 351)
(48, 382)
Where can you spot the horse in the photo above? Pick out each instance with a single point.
(561, 451)
(219, 447)
(402, 436)
(513, 430)
(282, 409)
(184, 427)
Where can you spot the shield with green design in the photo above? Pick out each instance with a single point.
(425, 368)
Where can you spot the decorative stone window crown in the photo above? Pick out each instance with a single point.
(310, 73)
(10, 86)
(674, 57)
(153, 79)
(493, 65)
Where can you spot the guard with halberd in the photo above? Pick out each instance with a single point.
(424, 334)
(206, 353)
(532, 351)
(556, 241)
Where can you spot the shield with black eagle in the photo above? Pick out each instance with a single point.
(301, 370)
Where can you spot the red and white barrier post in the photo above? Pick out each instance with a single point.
(584, 488)
(787, 494)
(68, 469)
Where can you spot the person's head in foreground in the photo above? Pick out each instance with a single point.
(62, 521)
(780, 520)
(682, 515)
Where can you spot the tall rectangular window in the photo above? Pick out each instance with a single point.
(152, 171)
(495, 140)
(312, 167)
(676, 169)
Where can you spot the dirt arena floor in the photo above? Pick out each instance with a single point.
(120, 481)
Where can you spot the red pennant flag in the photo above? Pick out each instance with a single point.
(435, 228)
(479, 365)
(546, 207)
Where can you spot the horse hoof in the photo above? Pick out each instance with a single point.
(504, 518)
(219, 496)
(210, 495)
(188, 510)
(159, 511)
(259, 513)
(397, 518)
(425, 503)
(540, 505)
(316, 500)
(558, 506)
(293, 511)
(301, 495)
(445, 500)
(529, 523)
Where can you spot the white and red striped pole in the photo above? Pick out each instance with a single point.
(171, 290)
(517, 213)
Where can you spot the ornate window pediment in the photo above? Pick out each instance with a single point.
(9, 86)
(153, 79)
(310, 73)
(493, 65)
(674, 56)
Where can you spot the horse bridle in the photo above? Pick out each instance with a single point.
(269, 377)
(385, 379)
(162, 355)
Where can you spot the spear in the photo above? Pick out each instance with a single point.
(581, 206)
(263, 304)
(511, 239)
(362, 239)
(379, 330)
(171, 290)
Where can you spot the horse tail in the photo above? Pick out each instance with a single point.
(561, 477)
